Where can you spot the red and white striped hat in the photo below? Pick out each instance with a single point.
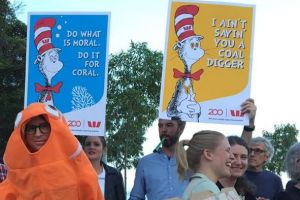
(184, 21)
(42, 34)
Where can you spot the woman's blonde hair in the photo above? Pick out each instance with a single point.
(190, 158)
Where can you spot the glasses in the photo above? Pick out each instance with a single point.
(256, 151)
(44, 128)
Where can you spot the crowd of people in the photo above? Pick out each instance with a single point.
(43, 160)
(212, 162)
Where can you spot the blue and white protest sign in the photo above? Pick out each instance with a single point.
(67, 64)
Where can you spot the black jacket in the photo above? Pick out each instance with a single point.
(290, 193)
(114, 187)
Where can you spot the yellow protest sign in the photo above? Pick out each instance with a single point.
(207, 61)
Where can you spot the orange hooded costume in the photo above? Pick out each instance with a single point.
(58, 170)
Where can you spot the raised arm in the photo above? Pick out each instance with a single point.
(248, 107)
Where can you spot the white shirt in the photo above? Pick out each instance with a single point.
(101, 180)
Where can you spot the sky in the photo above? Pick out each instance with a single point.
(275, 65)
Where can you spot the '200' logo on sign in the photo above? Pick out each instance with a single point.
(74, 123)
(215, 111)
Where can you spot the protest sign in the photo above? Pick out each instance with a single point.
(67, 66)
(207, 64)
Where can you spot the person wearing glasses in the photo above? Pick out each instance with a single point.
(156, 174)
(45, 160)
(267, 183)
(36, 133)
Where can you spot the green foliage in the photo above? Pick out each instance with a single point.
(12, 69)
(133, 90)
(282, 138)
(133, 98)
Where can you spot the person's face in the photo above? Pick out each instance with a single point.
(169, 130)
(36, 133)
(257, 155)
(239, 163)
(93, 148)
(222, 159)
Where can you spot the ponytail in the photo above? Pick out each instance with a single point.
(190, 158)
(181, 159)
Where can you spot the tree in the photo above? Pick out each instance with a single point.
(282, 138)
(133, 90)
(12, 68)
(133, 98)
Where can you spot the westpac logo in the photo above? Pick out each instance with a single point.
(236, 113)
(94, 124)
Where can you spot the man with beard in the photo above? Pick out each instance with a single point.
(156, 175)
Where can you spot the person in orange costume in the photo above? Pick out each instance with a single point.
(45, 161)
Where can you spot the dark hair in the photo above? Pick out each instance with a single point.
(243, 185)
(102, 139)
(233, 140)
(181, 124)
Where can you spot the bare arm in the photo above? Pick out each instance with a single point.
(248, 107)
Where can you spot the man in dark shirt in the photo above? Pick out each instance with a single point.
(267, 183)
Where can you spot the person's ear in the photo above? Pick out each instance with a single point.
(208, 155)
(266, 158)
(180, 130)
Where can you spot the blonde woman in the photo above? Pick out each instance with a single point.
(208, 157)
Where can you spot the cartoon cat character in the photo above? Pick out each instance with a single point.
(183, 104)
(48, 59)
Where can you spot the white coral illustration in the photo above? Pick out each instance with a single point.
(81, 98)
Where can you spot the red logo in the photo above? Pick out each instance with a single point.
(94, 124)
(236, 113)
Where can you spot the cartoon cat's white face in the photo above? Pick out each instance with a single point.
(192, 51)
(50, 64)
